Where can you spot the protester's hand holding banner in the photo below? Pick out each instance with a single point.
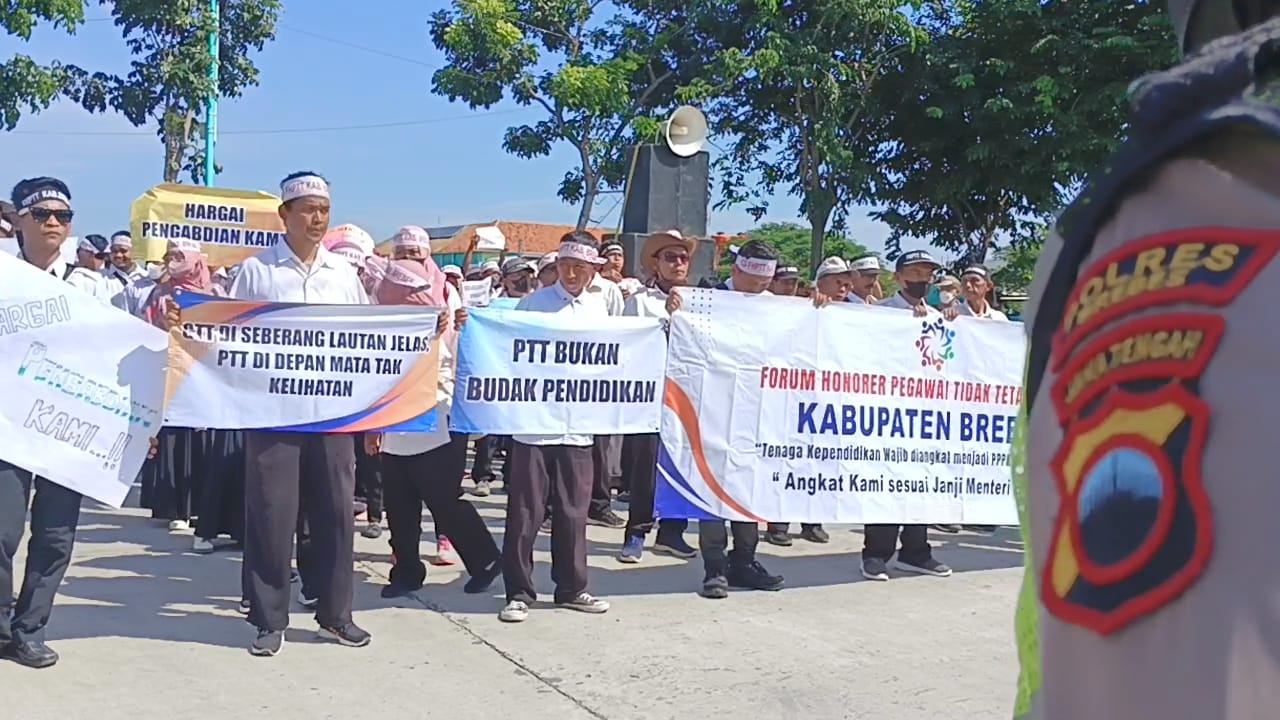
(83, 384)
(303, 368)
(528, 373)
(846, 413)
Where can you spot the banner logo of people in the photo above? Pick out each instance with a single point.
(1135, 528)
(936, 344)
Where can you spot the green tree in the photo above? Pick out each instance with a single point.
(596, 79)
(169, 81)
(27, 86)
(1016, 263)
(790, 87)
(793, 242)
(1008, 107)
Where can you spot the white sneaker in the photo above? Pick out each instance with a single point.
(175, 525)
(587, 603)
(201, 546)
(306, 602)
(515, 611)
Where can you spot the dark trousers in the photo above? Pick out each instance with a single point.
(284, 470)
(640, 475)
(786, 527)
(713, 540)
(485, 468)
(602, 474)
(880, 541)
(561, 475)
(55, 512)
(369, 481)
(434, 478)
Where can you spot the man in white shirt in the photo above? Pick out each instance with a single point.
(547, 274)
(664, 257)
(976, 287)
(914, 271)
(299, 270)
(86, 275)
(554, 468)
(866, 280)
(44, 216)
(786, 281)
(122, 268)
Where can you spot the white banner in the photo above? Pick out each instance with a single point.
(82, 382)
(779, 411)
(529, 373)
(303, 368)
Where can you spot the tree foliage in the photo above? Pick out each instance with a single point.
(790, 85)
(595, 78)
(27, 86)
(1008, 107)
(792, 241)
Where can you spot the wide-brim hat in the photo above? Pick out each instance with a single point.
(657, 241)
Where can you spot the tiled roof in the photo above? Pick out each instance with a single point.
(522, 238)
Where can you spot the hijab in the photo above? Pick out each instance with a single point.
(416, 236)
(187, 272)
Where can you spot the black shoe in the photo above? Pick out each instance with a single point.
(815, 534)
(546, 526)
(393, 590)
(32, 654)
(781, 538)
(607, 518)
(987, 529)
(715, 587)
(350, 635)
(269, 643)
(953, 529)
(754, 577)
(243, 608)
(482, 581)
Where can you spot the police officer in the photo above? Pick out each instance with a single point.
(1148, 478)
(44, 223)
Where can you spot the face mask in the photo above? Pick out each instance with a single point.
(154, 272)
(178, 268)
(918, 288)
(947, 297)
(521, 284)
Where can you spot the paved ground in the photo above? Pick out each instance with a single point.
(148, 630)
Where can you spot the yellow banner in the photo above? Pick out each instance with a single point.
(229, 224)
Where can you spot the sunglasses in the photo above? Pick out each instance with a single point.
(675, 258)
(42, 215)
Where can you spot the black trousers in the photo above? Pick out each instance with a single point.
(602, 476)
(434, 478)
(55, 512)
(713, 540)
(640, 475)
(562, 475)
(369, 481)
(485, 468)
(283, 470)
(880, 541)
(786, 527)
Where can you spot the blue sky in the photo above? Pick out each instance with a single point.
(449, 168)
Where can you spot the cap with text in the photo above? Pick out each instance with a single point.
(915, 257)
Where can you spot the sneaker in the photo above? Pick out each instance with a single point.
(624, 497)
(715, 587)
(482, 489)
(391, 591)
(754, 577)
(175, 525)
(951, 529)
(294, 576)
(201, 546)
(985, 529)
(585, 603)
(607, 518)
(32, 653)
(929, 566)
(243, 607)
(546, 526)
(514, 612)
(632, 550)
(306, 602)
(484, 579)
(269, 643)
(373, 531)
(875, 569)
(675, 547)
(815, 534)
(349, 635)
(781, 538)
(445, 552)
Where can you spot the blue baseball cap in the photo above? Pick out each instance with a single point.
(915, 257)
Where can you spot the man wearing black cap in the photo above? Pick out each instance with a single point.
(786, 281)
(44, 223)
(914, 273)
(91, 256)
(517, 277)
(977, 289)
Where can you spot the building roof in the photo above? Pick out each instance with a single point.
(522, 238)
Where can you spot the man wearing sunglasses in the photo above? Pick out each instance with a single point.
(44, 223)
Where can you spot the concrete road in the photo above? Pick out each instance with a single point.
(147, 630)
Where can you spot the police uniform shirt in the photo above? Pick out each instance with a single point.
(556, 299)
(277, 275)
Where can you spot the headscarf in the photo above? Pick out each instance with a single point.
(412, 235)
(189, 274)
(351, 242)
(407, 282)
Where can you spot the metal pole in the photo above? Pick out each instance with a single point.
(211, 104)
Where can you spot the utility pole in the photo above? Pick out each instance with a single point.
(211, 103)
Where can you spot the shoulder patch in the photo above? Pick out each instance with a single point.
(1134, 526)
(1206, 265)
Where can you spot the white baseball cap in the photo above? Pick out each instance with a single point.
(831, 266)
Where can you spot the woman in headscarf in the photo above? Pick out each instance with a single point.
(427, 467)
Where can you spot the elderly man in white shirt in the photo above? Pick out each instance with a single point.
(554, 468)
(665, 259)
(86, 275)
(300, 270)
(976, 287)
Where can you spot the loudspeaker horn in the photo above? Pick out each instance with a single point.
(686, 131)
